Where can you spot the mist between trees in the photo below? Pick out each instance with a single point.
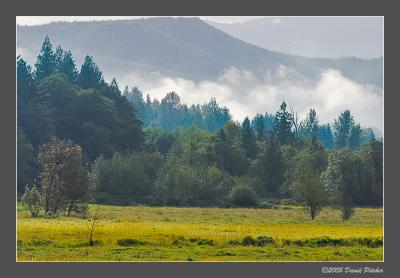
(82, 140)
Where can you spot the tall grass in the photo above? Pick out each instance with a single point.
(167, 233)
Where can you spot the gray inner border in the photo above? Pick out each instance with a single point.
(179, 7)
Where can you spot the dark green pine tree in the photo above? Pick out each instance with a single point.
(68, 67)
(32, 115)
(24, 80)
(225, 151)
(90, 75)
(248, 139)
(283, 125)
(114, 88)
(259, 126)
(269, 167)
(169, 111)
(26, 171)
(317, 154)
(58, 58)
(150, 112)
(45, 64)
(214, 116)
(326, 136)
(355, 136)
(136, 97)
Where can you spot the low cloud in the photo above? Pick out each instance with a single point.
(26, 54)
(246, 94)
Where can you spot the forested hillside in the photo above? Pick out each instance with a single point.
(144, 151)
(181, 47)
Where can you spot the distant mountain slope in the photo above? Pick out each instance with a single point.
(184, 47)
(328, 37)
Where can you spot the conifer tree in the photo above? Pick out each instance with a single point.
(68, 67)
(283, 125)
(45, 64)
(248, 139)
(90, 75)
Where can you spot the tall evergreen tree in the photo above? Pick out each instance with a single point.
(90, 75)
(214, 116)
(326, 137)
(372, 154)
(24, 80)
(269, 167)
(248, 139)
(26, 165)
(355, 136)
(229, 155)
(68, 67)
(169, 111)
(283, 125)
(136, 97)
(114, 88)
(367, 135)
(259, 126)
(58, 58)
(45, 64)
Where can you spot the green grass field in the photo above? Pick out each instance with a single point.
(140, 233)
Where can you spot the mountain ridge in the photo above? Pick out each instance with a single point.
(183, 47)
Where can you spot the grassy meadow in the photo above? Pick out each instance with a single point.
(140, 233)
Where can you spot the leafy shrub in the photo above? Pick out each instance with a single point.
(127, 174)
(129, 242)
(248, 240)
(243, 195)
(318, 241)
(259, 241)
(327, 241)
(31, 200)
(201, 241)
(370, 242)
(264, 240)
(204, 241)
(183, 184)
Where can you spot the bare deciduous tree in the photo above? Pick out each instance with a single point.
(91, 227)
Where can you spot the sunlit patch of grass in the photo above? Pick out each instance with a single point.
(200, 234)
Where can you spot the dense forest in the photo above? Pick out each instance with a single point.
(144, 151)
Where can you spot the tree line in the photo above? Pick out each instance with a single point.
(170, 114)
(81, 139)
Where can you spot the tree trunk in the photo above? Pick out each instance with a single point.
(70, 207)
